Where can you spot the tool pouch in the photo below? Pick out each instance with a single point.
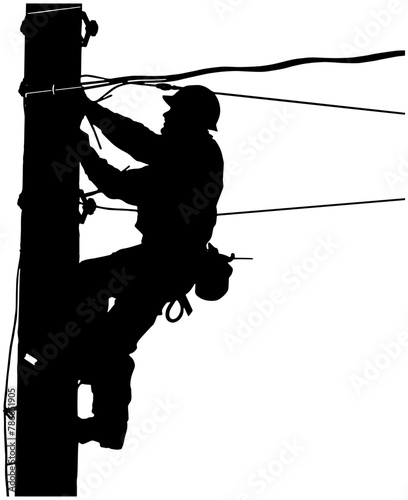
(213, 275)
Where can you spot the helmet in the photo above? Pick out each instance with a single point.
(202, 101)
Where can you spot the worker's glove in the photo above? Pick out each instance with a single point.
(82, 136)
(77, 103)
(91, 109)
(82, 140)
(84, 150)
(89, 158)
(82, 100)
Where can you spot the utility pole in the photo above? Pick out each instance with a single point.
(46, 442)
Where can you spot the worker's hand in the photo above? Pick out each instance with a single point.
(83, 138)
(83, 100)
(79, 105)
(83, 135)
(88, 155)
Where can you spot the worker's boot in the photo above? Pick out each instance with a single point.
(112, 395)
(86, 430)
(107, 434)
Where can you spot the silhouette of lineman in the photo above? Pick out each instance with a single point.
(176, 194)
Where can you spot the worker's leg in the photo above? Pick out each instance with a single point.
(109, 364)
(132, 316)
(111, 397)
(111, 273)
(100, 279)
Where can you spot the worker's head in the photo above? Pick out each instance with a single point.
(194, 106)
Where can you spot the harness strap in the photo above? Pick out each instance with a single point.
(184, 306)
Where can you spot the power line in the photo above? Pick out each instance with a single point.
(244, 212)
(161, 81)
(309, 206)
(312, 103)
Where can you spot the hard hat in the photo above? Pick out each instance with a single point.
(200, 100)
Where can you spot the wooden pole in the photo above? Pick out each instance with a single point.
(46, 444)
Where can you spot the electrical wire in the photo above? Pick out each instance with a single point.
(244, 212)
(261, 69)
(310, 206)
(163, 79)
(263, 98)
(96, 77)
(109, 92)
(5, 408)
(114, 209)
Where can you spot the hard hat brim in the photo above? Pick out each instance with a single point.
(169, 99)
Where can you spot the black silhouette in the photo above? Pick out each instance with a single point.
(176, 195)
(63, 319)
(47, 389)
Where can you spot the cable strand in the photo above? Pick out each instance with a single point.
(5, 409)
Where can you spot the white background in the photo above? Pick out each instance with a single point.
(289, 381)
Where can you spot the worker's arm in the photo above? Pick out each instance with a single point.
(126, 134)
(129, 185)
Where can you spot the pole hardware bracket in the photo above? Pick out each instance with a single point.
(91, 29)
